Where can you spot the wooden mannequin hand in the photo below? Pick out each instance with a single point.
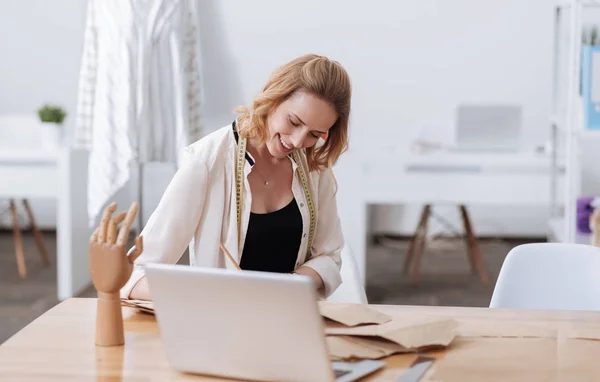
(110, 265)
(111, 268)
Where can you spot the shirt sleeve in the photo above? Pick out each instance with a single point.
(328, 241)
(173, 223)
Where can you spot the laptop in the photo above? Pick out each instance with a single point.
(245, 325)
(488, 128)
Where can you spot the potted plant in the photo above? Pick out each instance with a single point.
(52, 118)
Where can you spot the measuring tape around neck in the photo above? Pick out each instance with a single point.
(239, 196)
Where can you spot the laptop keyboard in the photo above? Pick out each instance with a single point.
(339, 373)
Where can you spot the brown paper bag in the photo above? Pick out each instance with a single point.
(431, 333)
(353, 348)
(352, 314)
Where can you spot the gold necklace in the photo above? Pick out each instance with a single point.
(266, 181)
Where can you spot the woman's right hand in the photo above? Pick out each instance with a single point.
(141, 290)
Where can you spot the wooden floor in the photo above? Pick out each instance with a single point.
(445, 279)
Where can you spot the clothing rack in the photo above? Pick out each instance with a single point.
(566, 122)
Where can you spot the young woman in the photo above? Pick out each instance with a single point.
(261, 187)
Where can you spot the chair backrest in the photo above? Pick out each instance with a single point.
(549, 276)
(351, 290)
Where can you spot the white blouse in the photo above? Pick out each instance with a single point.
(198, 209)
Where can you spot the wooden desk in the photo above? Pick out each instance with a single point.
(60, 346)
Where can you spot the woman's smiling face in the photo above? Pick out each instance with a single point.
(298, 123)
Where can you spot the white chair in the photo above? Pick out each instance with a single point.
(351, 290)
(549, 276)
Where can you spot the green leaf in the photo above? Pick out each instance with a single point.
(52, 114)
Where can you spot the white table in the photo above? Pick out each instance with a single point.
(29, 173)
(387, 176)
(58, 174)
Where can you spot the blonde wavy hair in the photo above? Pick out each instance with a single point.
(317, 75)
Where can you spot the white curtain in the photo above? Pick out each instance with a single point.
(140, 89)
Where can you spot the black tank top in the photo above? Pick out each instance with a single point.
(273, 240)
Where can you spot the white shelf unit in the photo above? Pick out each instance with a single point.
(566, 120)
(556, 229)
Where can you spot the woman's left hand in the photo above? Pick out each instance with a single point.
(316, 278)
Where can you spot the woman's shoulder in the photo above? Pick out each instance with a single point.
(211, 147)
(323, 179)
(213, 139)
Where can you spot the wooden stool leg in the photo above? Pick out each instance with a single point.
(18, 241)
(468, 237)
(39, 238)
(420, 245)
(473, 249)
(414, 240)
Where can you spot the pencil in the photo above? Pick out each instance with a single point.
(230, 257)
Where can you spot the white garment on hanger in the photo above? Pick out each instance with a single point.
(139, 89)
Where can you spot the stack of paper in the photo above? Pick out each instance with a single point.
(358, 332)
(142, 306)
